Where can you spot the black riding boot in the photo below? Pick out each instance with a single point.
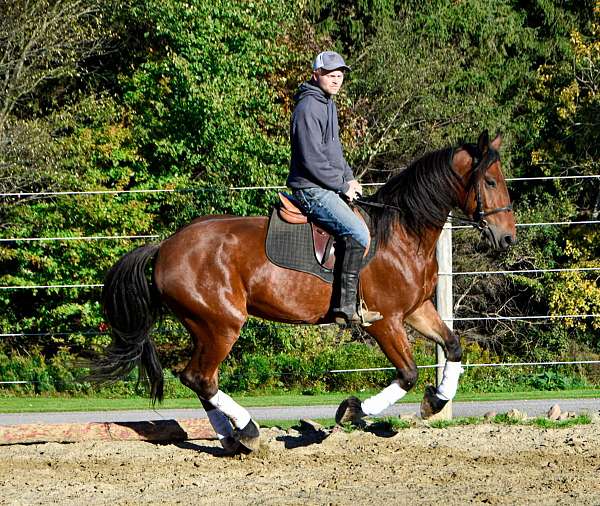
(344, 309)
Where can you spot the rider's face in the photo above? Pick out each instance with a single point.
(330, 81)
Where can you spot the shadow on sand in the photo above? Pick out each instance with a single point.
(306, 433)
(310, 434)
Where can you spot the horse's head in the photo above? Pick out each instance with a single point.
(485, 196)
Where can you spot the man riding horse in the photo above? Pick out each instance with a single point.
(213, 294)
(323, 183)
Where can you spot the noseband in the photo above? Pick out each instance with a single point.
(481, 223)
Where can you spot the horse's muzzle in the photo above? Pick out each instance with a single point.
(499, 239)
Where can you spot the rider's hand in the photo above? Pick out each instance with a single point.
(354, 191)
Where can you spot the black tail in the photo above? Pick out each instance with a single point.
(131, 306)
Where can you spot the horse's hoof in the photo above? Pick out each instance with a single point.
(431, 403)
(230, 444)
(350, 411)
(248, 438)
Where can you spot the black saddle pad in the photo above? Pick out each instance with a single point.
(291, 246)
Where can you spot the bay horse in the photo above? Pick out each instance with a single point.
(213, 273)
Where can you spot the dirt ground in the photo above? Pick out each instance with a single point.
(493, 464)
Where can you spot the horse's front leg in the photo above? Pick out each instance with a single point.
(427, 321)
(392, 339)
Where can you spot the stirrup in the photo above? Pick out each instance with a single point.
(368, 317)
(363, 317)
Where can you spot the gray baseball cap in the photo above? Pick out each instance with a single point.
(330, 60)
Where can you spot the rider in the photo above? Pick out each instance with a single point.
(322, 181)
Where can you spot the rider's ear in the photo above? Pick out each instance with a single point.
(483, 143)
(497, 142)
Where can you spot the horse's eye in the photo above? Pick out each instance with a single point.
(490, 182)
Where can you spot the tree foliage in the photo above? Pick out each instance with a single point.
(572, 94)
(43, 45)
(202, 107)
(195, 98)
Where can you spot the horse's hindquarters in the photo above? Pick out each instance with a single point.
(216, 267)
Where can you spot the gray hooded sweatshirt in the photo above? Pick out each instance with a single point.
(317, 156)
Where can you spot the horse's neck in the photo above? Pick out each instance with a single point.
(423, 244)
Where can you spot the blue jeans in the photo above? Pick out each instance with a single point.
(328, 210)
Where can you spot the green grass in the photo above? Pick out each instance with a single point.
(469, 420)
(579, 393)
(395, 423)
(561, 424)
(504, 419)
(54, 403)
(58, 403)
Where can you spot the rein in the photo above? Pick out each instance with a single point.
(480, 223)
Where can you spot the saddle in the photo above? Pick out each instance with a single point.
(293, 242)
(323, 241)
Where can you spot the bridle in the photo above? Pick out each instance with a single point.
(479, 215)
(478, 221)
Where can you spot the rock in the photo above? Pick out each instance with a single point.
(272, 433)
(554, 412)
(489, 415)
(307, 425)
(515, 414)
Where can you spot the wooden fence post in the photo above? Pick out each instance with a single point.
(444, 303)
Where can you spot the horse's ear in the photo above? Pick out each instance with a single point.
(483, 143)
(497, 142)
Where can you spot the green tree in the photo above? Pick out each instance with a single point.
(207, 101)
(204, 104)
(198, 96)
(41, 43)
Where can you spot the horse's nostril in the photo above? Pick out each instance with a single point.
(509, 239)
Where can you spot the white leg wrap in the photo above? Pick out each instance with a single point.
(447, 389)
(384, 399)
(238, 415)
(220, 423)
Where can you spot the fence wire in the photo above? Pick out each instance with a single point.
(239, 188)
(377, 369)
(256, 188)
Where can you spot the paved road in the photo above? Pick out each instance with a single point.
(460, 409)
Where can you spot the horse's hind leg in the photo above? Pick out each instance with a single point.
(427, 321)
(231, 422)
(222, 426)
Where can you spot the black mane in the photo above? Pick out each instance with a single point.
(425, 192)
